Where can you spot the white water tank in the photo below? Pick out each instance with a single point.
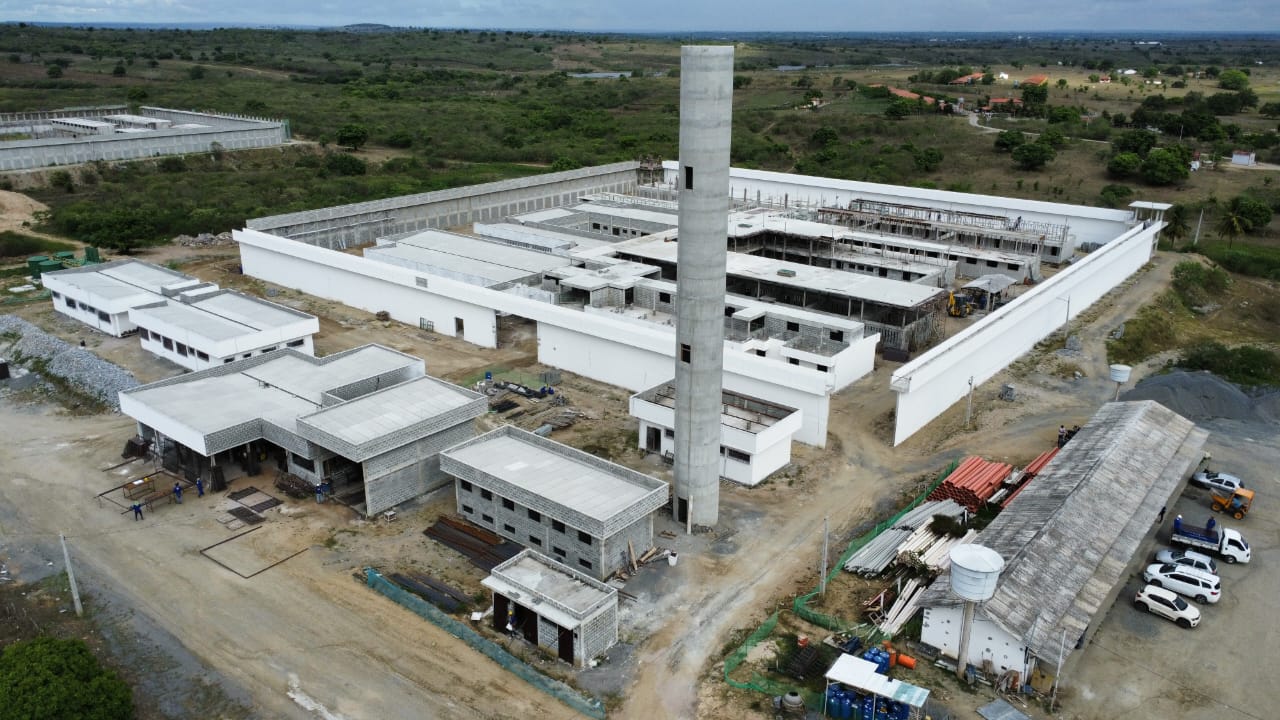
(975, 570)
(1120, 373)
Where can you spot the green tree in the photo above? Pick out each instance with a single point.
(928, 159)
(1033, 156)
(1177, 221)
(1062, 83)
(54, 71)
(1007, 140)
(740, 81)
(1233, 80)
(352, 135)
(1271, 110)
(196, 72)
(1138, 142)
(1124, 165)
(118, 70)
(1256, 213)
(1053, 137)
(136, 94)
(1034, 98)
(1232, 221)
(823, 136)
(1115, 195)
(1164, 167)
(49, 679)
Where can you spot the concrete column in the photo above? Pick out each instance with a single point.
(706, 113)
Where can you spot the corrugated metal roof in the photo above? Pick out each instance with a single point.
(1067, 539)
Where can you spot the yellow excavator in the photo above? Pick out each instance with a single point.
(959, 305)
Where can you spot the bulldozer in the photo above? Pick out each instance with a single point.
(959, 305)
(1237, 503)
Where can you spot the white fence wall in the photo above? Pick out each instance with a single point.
(930, 384)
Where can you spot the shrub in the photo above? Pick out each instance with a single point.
(49, 678)
(1115, 195)
(1007, 140)
(344, 164)
(1195, 283)
(1244, 364)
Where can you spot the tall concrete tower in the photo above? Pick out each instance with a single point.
(706, 114)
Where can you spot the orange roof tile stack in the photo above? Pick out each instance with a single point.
(972, 482)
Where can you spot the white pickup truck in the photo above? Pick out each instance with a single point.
(1227, 543)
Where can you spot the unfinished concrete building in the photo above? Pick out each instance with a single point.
(755, 436)
(706, 114)
(582, 511)
(369, 422)
(554, 606)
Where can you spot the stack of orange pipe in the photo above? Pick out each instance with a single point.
(972, 482)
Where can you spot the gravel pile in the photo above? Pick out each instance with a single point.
(87, 372)
(1201, 396)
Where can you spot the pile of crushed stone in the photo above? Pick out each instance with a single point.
(1200, 396)
(80, 367)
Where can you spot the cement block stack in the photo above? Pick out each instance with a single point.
(972, 483)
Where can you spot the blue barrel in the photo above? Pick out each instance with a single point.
(846, 706)
(833, 700)
(488, 376)
(868, 708)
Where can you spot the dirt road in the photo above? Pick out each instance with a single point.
(344, 651)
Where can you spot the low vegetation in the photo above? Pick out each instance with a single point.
(50, 679)
(1243, 364)
(20, 245)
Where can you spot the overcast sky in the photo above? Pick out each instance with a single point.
(681, 15)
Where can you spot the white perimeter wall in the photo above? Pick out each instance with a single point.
(987, 640)
(929, 384)
(593, 345)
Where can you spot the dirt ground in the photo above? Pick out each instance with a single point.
(306, 625)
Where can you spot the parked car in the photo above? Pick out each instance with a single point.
(1214, 480)
(1186, 581)
(1191, 558)
(1168, 605)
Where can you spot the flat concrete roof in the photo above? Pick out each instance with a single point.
(625, 212)
(223, 315)
(494, 261)
(279, 387)
(121, 279)
(573, 596)
(369, 418)
(897, 293)
(559, 474)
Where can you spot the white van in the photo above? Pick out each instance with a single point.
(1184, 580)
(1191, 558)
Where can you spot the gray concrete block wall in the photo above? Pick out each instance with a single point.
(639, 533)
(598, 634)
(515, 525)
(549, 635)
(26, 154)
(394, 488)
(361, 223)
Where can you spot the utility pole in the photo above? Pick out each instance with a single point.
(1199, 222)
(822, 578)
(71, 576)
(968, 410)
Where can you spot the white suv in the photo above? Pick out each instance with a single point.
(1186, 581)
(1190, 558)
(1159, 601)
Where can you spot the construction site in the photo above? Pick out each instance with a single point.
(651, 439)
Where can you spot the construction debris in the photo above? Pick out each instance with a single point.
(883, 550)
(484, 549)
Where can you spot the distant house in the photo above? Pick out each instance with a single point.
(1002, 76)
(906, 94)
(1037, 80)
(967, 79)
(1244, 157)
(1003, 104)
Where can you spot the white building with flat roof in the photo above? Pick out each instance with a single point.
(101, 295)
(567, 612)
(220, 327)
(177, 317)
(755, 436)
(582, 511)
(369, 422)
